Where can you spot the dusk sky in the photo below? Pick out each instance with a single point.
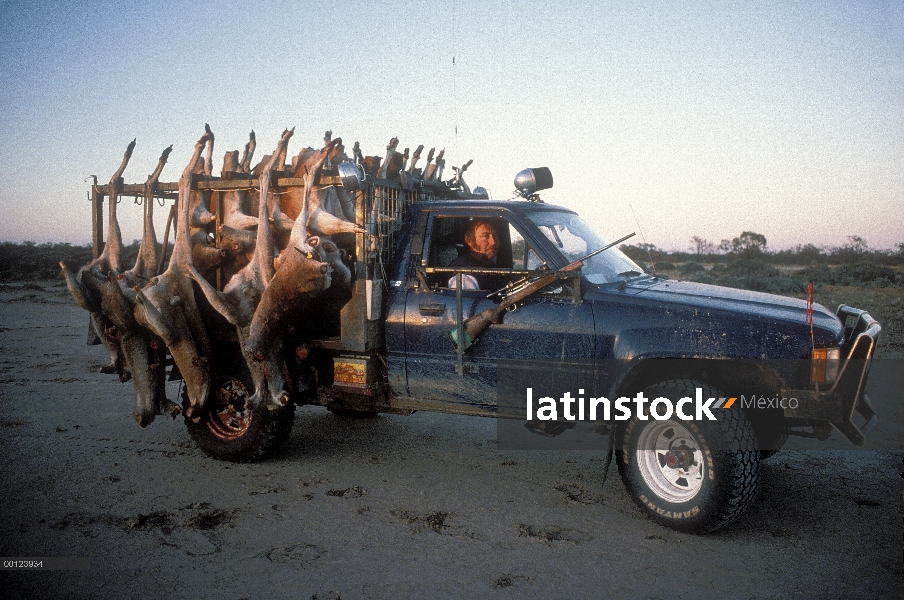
(702, 118)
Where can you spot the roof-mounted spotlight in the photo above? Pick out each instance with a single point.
(530, 181)
(351, 175)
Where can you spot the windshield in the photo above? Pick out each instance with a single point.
(575, 239)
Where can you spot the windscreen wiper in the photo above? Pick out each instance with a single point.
(630, 273)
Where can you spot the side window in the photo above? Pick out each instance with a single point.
(493, 244)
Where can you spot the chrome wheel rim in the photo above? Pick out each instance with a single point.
(670, 461)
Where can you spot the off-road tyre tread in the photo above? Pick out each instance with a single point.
(770, 440)
(777, 443)
(726, 499)
(269, 431)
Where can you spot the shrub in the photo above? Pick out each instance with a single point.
(865, 273)
(39, 261)
(743, 266)
(692, 267)
(752, 274)
(869, 274)
(704, 277)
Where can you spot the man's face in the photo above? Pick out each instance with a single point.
(485, 241)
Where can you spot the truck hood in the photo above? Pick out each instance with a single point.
(700, 305)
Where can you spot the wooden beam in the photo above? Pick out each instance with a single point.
(97, 220)
(235, 182)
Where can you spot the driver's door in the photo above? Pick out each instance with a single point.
(547, 326)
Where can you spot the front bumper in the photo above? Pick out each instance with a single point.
(838, 403)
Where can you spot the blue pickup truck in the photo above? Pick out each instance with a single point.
(773, 366)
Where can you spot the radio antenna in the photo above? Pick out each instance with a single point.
(644, 238)
(454, 86)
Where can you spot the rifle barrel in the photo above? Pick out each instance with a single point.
(603, 249)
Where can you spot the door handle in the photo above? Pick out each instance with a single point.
(432, 310)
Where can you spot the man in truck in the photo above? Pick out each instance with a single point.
(483, 241)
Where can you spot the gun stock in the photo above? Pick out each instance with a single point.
(475, 325)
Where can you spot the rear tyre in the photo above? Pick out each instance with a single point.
(227, 430)
(692, 476)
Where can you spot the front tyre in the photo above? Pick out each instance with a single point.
(771, 432)
(228, 430)
(692, 476)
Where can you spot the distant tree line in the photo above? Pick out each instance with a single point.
(751, 245)
(29, 260)
(746, 262)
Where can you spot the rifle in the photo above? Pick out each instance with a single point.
(517, 292)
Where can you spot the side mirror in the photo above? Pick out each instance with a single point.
(578, 292)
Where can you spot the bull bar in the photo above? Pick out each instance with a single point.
(838, 403)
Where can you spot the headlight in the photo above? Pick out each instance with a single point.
(824, 365)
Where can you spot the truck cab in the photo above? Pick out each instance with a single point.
(425, 305)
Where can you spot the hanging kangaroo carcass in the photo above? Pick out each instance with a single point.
(242, 295)
(237, 203)
(167, 305)
(298, 280)
(326, 214)
(138, 351)
(82, 286)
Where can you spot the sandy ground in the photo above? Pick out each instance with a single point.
(392, 507)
